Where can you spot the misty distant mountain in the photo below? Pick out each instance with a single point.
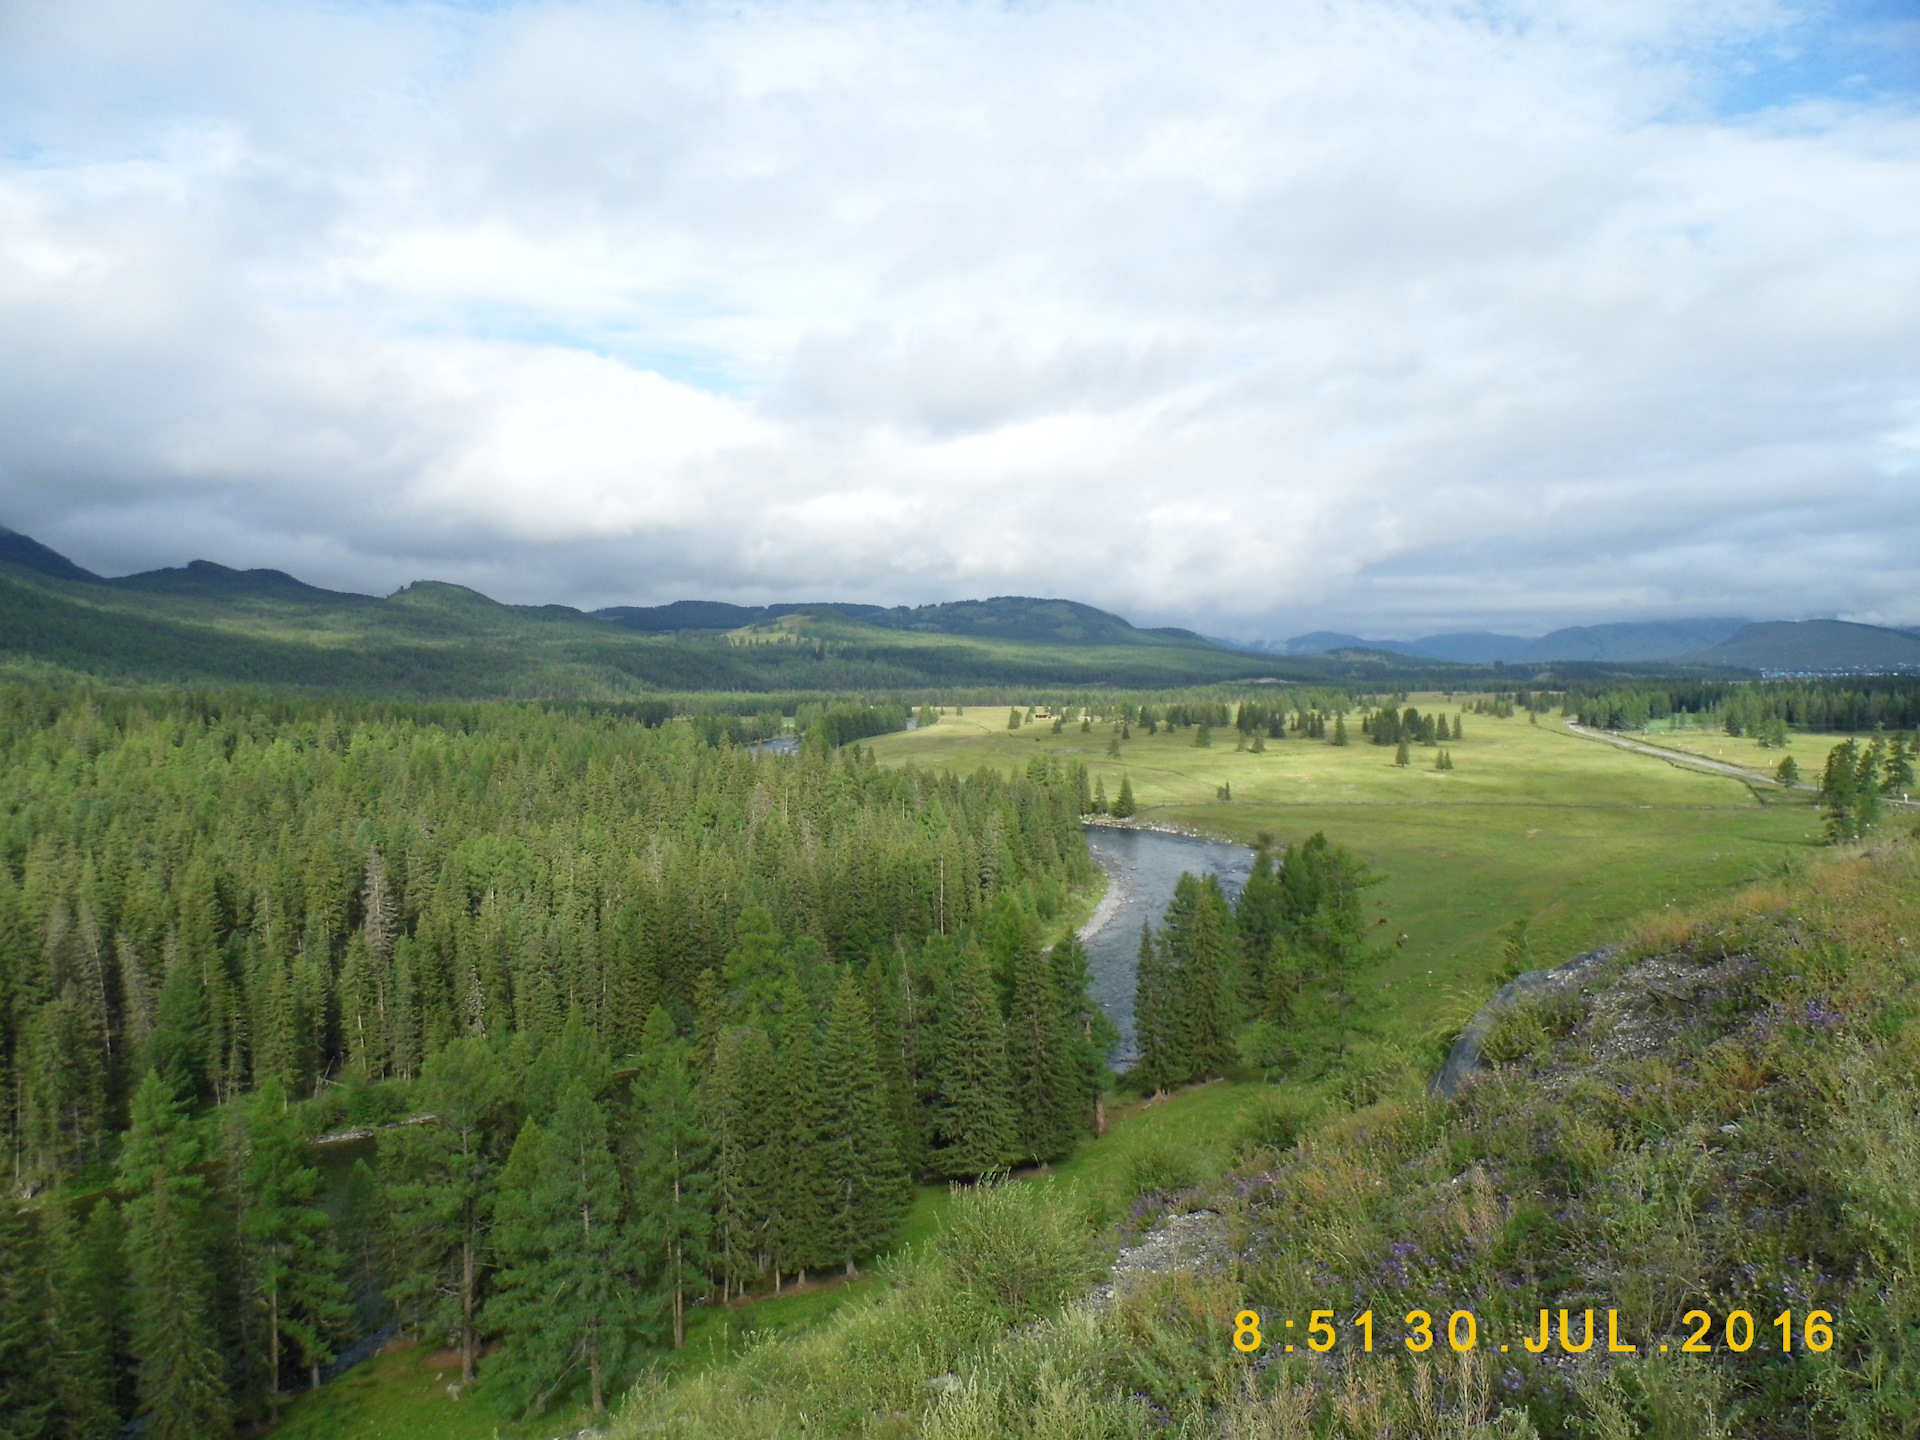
(1004, 617)
(1815, 646)
(29, 554)
(1631, 640)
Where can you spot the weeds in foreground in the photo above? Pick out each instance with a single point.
(1766, 1159)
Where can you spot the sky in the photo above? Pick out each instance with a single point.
(1384, 316)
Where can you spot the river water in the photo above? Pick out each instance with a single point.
(1142, 868)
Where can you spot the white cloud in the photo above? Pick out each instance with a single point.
(1400, 316)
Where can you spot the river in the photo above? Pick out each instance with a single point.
(1142, 868)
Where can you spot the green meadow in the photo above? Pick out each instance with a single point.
(1534, 823)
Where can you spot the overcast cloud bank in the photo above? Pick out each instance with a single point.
(1383, 316)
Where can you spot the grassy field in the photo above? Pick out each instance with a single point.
(1571, 834)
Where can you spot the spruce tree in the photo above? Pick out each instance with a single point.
(1213, 983)
(672, 1189)
(565, 1300)
(1837, 792)
(293, 1269)
(1158, 1025)
(1257, 918)
(797, 1173)
(1339, 729)
(1787, 772)
(26, 1359)
(738, 1100)
(1039, 1061)
(1403, 753)
(1100, 796)
(442, 1184)
(889, 1001)
(1123, 805)
(183, 1389)
(1091, 1035)
(973, 1122)
(870, 1189)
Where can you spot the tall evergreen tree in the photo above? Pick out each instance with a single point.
(1123, 805)
(565, 1302)
(80, 1330)
(1209, 980)
(974, 1127)
(26, 1361)
(183, 1388)
(442, 1183)
(1257, 918)
(1158, 1023)
(1091, 1034)
(738, 1100)
(673, 1188)
(293, 1268)
(1045, 1088)
(798, 1177)
(869, 1189)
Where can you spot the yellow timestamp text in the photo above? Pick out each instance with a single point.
(1573, 1336)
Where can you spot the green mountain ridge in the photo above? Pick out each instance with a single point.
(205, 623)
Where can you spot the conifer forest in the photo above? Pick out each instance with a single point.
(637, 1016)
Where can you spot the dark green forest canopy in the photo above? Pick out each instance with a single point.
(246, 896)
(725, 1006)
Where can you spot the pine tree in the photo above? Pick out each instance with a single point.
(892, 1002)
(1837, 792)
(738, 1101)
(1199, 945)
(1457, 728)
(754, 972)
(1158, 1022)
(1787, 772)
(183, 1383)
(1123, 805)
(797, 1173)
(1039, 1061)
(178, 1046)
(1100, 796)
(1899, 768)
(1403, 754)
(574, 1057)
(293, 1270)
(442, 1186)
(672, 1191)
(1257, 918)
(973, 1120)
(870, 1189)
(80, 1354)
(564, 1301)
(1090, 1035)
(1339, 729)
(26, 1360)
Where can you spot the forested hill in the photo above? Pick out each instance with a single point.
(207, 624)
(725, 1007)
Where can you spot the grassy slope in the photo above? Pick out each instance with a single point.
(1751, 1149)
(1533, 821)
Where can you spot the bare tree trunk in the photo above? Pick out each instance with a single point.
(466, 1310)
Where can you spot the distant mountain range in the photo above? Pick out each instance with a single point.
(1773, 646)
(204, 623)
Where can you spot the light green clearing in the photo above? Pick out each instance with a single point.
(1573, 834)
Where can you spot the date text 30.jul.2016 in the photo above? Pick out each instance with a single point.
(1463, 1332)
